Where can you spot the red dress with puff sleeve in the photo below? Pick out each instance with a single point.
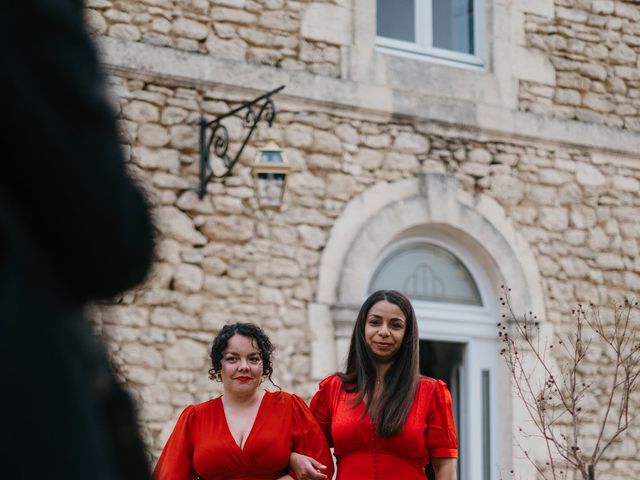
(201, 444)
(429, 432)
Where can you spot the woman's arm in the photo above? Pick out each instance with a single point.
(444, 468)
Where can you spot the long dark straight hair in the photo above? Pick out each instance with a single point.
(390, 411)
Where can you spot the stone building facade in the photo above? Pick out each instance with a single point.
(524, 167)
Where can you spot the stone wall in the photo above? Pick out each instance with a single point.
(594, 47)
(222, 259)
(281, 33)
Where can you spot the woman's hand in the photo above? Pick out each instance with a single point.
(306, 468)
(444, 468)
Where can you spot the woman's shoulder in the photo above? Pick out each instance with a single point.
(331, 381)
(432, 384)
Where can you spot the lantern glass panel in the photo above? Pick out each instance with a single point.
(270, 157)
(270, 188)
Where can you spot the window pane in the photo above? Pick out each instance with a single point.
(396, 19)
(453, 25)
(427, 272)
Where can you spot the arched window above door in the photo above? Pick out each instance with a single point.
(424, 271)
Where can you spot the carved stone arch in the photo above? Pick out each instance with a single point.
(386, 213)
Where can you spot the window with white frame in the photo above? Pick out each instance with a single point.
(446, 30)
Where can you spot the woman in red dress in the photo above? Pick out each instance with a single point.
(383, 419)
(247, 433)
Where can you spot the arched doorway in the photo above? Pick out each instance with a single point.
(478, 232)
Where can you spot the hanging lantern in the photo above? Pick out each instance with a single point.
(270, 170)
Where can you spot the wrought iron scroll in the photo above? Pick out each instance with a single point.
(214, 136)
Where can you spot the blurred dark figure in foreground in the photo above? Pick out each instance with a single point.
(72, 228)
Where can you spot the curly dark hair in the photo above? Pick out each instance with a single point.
(248, 330)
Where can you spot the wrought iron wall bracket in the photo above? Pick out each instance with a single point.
(214, 136)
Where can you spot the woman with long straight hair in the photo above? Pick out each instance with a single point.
(383, 419)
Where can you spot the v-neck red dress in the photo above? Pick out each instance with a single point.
(201, 444)
(429, 432)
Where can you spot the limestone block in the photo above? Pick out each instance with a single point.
(598, 239)
(160, 276)
(369, 158)
(161, 25)
(151, 135)
(173, 116)
(479, 155)
(188, 278)
(570, 194)
(306, 183)
(125, 32)
(574, 267)
(129, 315)
(623, 54)
(341, 186)
(167, 180)
(548, 266)
(190, 202)
(596, 102)
(377, 141)
(603, 7)
(565, 96)
(172, 318)
(101, 4)
(572, 14)
(139, 355)
(278, 20)
(597, 52)
(507, 189)
(589, 176)
(626, 184)
(230, 3)
(168, 250)
(630, 230)
(610, 261)
(142, 112)
(117, 16)
(213, 319)
(286, 235)
(312, 237)
(298, 135)
(186, 354)
(555, 219)
(627, 10)
(627, 73)
(593, 70)
(322, 162)
(326, 142)
(189, 28)
(406, 142)
(184, 137)
(270, 295)
(326, 23)
(175, 224)
(575, 237)
(401, 161)
(227, 204)
(542, 195)
(475, 169)
(95, 21)
(347, 134)
(230, 228)
(220, 14)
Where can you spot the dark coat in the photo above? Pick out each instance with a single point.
(73, 228)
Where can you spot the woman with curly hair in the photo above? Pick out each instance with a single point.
(247, 433)
(383, 419)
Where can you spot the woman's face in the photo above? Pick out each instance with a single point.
(241, 365)
(384, 330)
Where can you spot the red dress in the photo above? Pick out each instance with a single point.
(429, 432)
(201, 444)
